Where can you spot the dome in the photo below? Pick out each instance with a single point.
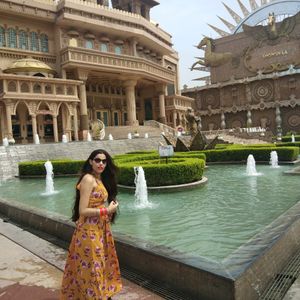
(28, 64)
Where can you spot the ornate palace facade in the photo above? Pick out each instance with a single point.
(67, 63)
(254, 73)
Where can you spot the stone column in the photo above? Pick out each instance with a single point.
(223, 123)
(162, 107)
(84, 119)
(249, 119)
(278, 123)
(174, 118)
(34, 126)
(75, 122)
(55, 130)
(130, 102)
(8, 110)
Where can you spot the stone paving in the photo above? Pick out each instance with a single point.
(31, 268)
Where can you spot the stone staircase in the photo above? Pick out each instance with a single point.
(228, 138)
(121, 132)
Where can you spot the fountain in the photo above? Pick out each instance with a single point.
(89, 137)
(64, 138)
(5, 142)
(129, 136)
(141, 193)
(49, 179)
(110, 137)
(274, 159)
(36, 139)
(293, 138)
(251, 169)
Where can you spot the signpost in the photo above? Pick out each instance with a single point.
(166, 151)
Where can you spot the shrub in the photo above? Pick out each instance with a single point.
(158, 173)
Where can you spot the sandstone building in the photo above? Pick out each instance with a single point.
(67, 63)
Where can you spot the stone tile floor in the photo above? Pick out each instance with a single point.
(31, 268)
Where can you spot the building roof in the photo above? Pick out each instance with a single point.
(29, 64)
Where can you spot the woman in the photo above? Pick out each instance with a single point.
(92, 267)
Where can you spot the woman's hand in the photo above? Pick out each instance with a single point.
(113, 205)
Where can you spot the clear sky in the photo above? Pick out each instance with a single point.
(186, 21)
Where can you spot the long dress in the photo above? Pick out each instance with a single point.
(92, 267)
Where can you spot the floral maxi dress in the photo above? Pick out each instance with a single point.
(92, 267)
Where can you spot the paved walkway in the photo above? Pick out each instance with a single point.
(31, 268)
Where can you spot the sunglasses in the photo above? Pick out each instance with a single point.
(99, 160)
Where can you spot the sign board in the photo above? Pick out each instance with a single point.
(166, 151)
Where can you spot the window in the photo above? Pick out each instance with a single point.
(44, 43)
(24, 88)
(89, 44)
(34, 43)
(12, 87)
(104, 47)
(118, 50)
(23, 41)
(12, 38)
(2, 37)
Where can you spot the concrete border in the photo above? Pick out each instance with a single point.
(170, 188)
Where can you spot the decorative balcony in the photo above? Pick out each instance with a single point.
(103, 61)
(177, 102)
(16, 87)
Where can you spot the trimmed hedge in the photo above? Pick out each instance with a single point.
(157, 173)
(288, 138)
(259, 153)
(60, 167)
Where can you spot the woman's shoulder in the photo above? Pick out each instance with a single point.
(88, 179)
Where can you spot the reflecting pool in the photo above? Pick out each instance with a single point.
(211, 221)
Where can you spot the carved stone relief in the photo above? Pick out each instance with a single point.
(262, 91)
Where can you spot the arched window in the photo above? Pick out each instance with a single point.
(118, 50)
(12, 87)
(37, 88)
(23, 40)
(34, 42)
(103, 47)
(44, 43)
(24, 88)
(2, 37)
(12, 38)
(89, 44)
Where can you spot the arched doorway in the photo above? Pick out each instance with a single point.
(44, 120)
(21, 124)
(64, 122)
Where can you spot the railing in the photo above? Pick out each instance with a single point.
(121, 14)
(161, 126)
(35, 87)
(120, 63)
(178, 102)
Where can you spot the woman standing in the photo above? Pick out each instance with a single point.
(92, 267)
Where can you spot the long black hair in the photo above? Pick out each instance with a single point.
(108, 177)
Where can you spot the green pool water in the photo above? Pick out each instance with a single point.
(211, 221)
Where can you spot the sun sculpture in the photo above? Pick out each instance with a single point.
(263, 12)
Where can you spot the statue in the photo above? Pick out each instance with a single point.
(192, 121)
(198, 140)
(211, 59)
(272, 31)
(98, 130)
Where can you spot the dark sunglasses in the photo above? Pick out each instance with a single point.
(98, 160)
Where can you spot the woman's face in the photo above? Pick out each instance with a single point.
(98, 163)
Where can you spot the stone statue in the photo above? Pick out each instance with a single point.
(272, 31)
(211, 59)
(191, 121)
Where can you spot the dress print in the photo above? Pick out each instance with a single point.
(92, 267)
